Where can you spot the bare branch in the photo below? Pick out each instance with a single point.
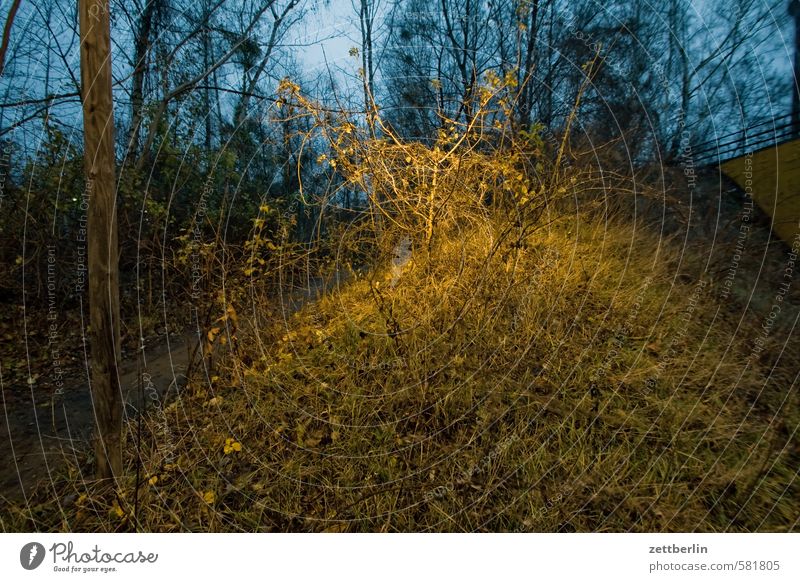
(7, 33)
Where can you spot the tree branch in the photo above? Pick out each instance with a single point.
(46, 99)
(7, 33)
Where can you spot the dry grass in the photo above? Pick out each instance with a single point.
(572, 384)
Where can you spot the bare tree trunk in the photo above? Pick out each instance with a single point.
(207, 90)
(366, 17)
(142, 44)
(526, 82)
(98, 135)
(458, 48)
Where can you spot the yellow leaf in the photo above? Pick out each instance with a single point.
(153, 480)
(212, 334)
(231, 445)
(117, 510)
(230, 312)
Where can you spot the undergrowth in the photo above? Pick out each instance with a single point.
(500, 364)
(569, 385)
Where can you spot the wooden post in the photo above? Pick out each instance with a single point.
(99, 159)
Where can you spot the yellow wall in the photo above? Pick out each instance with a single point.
(772, 176)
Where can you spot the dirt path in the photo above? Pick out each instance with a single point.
(41, 431)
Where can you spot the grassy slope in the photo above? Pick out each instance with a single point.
(581, 383)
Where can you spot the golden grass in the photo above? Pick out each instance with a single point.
(522, 370)
(573, 384)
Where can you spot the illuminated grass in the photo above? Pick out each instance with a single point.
(569, 385)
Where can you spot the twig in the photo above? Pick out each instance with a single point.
(138, 439)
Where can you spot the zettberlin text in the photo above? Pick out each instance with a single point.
(673, 549)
